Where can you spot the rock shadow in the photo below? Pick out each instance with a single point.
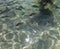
(44, 17)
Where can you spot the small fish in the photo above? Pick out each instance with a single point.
(19, 24)
(35, 6)
(32, 14)
(4, 16)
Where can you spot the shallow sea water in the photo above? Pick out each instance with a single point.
(24, 26)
